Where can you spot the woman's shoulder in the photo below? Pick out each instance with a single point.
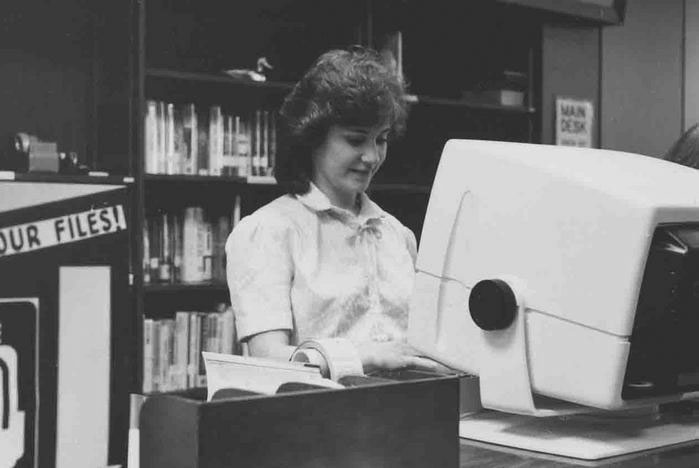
(401, 230)
(391, 221)
(274, 218)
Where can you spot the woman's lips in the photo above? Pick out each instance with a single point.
(362, 172)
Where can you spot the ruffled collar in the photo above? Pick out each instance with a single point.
(316, 200)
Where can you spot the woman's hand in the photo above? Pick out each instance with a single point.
(391, 355)
(273, 344)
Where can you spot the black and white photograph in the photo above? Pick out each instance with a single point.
(349, 233)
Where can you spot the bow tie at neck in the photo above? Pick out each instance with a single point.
(366, 231)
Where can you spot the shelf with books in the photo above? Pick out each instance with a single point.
(172, 179)
(185, 245)
(205, 286)
(172, 346)
(169, 179)
(215, 139)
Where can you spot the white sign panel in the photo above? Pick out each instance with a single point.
(574, 119)
(73, 227)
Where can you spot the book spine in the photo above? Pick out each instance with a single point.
(257, 151)
(178, 136)
(264, 151)
(215, 140)
(202, 143)
(194, 350)
(156, 359)
(176, 236)
(272, 142)
(165, 267)
(201, 369)
(221, 230)
(154, 247)
(161, 140)
(228, 160)
(165, 353)
(236, 211)
(148, 350)
(193, 247)
(181, 357)
(170, 151)
(146, 253)
(151, 137)
(189, 135)
(207, 231)
(242, 147)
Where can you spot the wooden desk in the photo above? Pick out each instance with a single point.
(480, 455)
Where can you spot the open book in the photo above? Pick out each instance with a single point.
(258, 375)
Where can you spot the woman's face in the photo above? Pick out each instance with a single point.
(345, 162)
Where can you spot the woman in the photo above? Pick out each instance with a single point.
(685, 150)
(324, 260)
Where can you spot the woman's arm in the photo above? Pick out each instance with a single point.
(272, 344)
(390, 355)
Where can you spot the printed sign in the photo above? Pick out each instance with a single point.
(23, 238)
(19, 382)
(574, 121)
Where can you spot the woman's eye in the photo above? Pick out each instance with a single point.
(355, 140)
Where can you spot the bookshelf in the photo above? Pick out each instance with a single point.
(172, 68)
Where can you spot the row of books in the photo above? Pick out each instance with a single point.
(185, 139)
(172, 347)
(186, 246)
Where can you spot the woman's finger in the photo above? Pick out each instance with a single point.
(422, 363)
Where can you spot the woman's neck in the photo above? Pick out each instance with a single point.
(349, 202)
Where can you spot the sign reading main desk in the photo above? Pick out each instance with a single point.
(64, 260)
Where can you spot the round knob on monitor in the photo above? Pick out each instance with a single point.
(492, 304)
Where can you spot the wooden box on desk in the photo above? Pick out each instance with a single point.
(389, 425)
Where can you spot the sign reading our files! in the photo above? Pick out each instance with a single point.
(65, 229)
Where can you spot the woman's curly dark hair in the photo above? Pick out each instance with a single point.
(352, 87)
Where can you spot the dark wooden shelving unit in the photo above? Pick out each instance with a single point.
(85, 80)
(65, 178)
(170, 66)
(469, 104)
(221, 78)
(156, 288)
(193, 179)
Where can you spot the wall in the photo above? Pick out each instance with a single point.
(570, 68)
(641, 67)
(691, 67)
(633, 73)
(45, 73)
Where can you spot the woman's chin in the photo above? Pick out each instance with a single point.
(360, 183)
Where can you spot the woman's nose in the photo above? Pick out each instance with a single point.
(370, 155)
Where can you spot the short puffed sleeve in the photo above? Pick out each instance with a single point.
(411, 243)
(259, 273)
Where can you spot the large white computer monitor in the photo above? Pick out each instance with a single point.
(567, 279)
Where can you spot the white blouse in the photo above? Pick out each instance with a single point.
(303, 265)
